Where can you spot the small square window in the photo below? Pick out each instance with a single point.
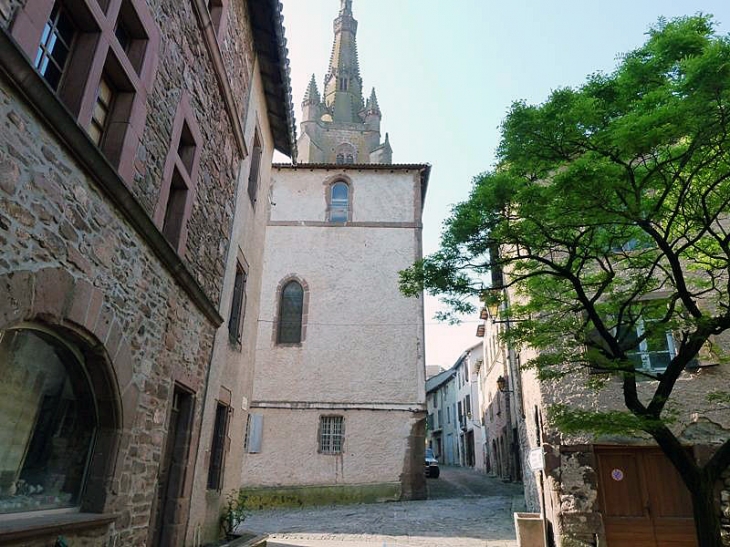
(331, 434)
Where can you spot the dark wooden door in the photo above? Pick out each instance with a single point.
(168, 529)
(643, 500)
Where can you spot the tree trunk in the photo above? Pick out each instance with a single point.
(707, 515)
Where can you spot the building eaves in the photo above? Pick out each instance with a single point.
(435, 382)
(267, 23)
(423, 168)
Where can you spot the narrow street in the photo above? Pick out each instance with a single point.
(464, 509)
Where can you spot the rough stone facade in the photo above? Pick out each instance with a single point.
(82, 257)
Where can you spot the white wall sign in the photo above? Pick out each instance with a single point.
(536, 460)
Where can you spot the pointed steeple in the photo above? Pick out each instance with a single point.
(372, 106)
(311, 96)
(342, 84)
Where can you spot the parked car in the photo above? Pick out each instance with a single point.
(432, 465)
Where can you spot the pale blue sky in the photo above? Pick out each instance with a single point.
(446, 71)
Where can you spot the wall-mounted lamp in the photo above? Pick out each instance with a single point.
(502, 384)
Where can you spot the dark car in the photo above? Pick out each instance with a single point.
(432, 465)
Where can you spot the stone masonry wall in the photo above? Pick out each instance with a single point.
(53, 219)
(185, 64)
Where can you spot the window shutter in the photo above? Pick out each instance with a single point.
(255, 433)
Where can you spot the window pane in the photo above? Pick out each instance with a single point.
(290, 314)
(47, 422)
(339, 192)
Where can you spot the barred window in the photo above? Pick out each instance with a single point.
(331, 434)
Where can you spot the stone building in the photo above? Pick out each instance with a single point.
(334, 415)
(605, 490)
(442, 429)
(135, 143)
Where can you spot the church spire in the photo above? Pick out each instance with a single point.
(343, 85)
(311, 96)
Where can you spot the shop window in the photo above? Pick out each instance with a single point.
(47, 422)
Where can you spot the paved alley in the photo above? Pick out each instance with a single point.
(464, 509)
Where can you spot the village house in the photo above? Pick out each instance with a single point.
(135, 146)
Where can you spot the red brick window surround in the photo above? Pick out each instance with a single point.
(177, 192)
(91, 52)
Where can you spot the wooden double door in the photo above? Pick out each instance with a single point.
(643, 499)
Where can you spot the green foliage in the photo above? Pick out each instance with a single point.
(234, 513)
(605, 220)
(601, 423)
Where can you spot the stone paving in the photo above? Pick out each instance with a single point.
(464, 509)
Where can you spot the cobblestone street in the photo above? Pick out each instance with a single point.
(464, 509)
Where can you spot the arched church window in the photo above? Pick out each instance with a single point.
(344, 84)
(47, 421)
(340, 159)
(350, 159)
(291, 308)
(339, 202)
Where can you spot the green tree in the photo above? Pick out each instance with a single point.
(608, 214)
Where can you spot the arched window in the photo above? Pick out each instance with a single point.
(46, 395)
(350, 159)
(291, 308)
(340, 159)
(339, 202)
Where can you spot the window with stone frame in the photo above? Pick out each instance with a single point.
(331, 434)
(217, 9)
(339, 202)
(48, 421)
(652, 348)
(83, 52)
(218, 446)
(238, 305)
(180, 175)
(291, 310)
(254, 171)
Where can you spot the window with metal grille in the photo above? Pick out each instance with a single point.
(339, 202)
(291, 307)
(238, 305)
(218, 448)
(331, 434)
(55, 45)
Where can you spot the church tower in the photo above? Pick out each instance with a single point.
(341, 127)
(338, 404)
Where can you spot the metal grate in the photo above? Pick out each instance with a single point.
(331, 434)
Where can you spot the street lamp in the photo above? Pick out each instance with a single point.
(502, 384)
